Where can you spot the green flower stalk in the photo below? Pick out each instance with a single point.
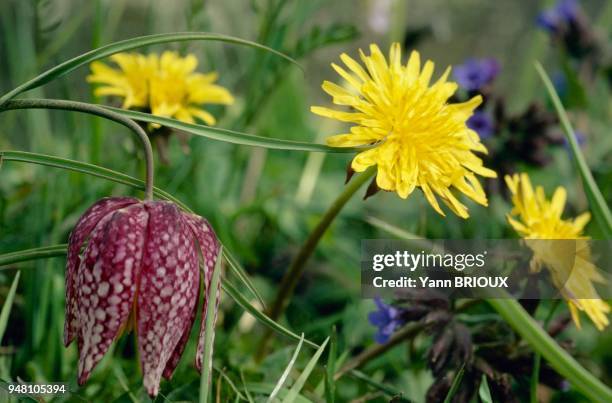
(97, 111)
(296, 269)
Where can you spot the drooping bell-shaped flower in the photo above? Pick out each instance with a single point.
(140, 268)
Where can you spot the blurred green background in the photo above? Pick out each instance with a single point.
(264, 203)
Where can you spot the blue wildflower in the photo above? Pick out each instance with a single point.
(476, 73)
(560, 83)
(482, 124)
(580, 138)
(563, 12)
(568, 9)
(387, 318)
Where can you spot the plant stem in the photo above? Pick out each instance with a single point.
(295, 270)
(514, 314)
(537, 357)
(598, 204)
(535, 378)
(407, 332)
(97, 111)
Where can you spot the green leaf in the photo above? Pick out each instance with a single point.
(483, 391)
(8, 305)
(266, 388)
(286, 372)
(229, 381)
(83, 167)
(244, 303)
(231, 136)
(397, 395)
(33, 254)
(535, 378)
(600, 209)
(392, 229)
(247, 392)
(239, 271)
(330, 370)
(455, 385)
(301, 381)
(581, 379)
(129, 44)
(209, 330)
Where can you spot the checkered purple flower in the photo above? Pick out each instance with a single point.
(140, 269)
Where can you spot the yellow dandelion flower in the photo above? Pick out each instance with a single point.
(165, 85)
(572, 271)
(417, 138)
(130, 81)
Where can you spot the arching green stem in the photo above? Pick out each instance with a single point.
(97, 111)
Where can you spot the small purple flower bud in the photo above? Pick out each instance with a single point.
(549, 20)
(555, 18)
(474, 74)
(568, 9)
(482, 124)
(387, 318)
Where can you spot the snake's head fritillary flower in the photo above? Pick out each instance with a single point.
(415, 137)
(534, 217)
(474, 74)
(140, 268)
(165, 85)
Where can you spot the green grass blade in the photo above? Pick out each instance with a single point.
(264, 319)
(391, 229)
(535, 378)
(83, 167)
(484, 392)
(455, 385)
(247, 392)
(330, 383)
(600, 209)
(209, 330)
(239, 271)
(581, 379)
(265, 389)
(129, 44)
(8, 305)
(33, 254)
(397, 395)
(231, 383)
(301, 381)
(286, 372)
(231, 136)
